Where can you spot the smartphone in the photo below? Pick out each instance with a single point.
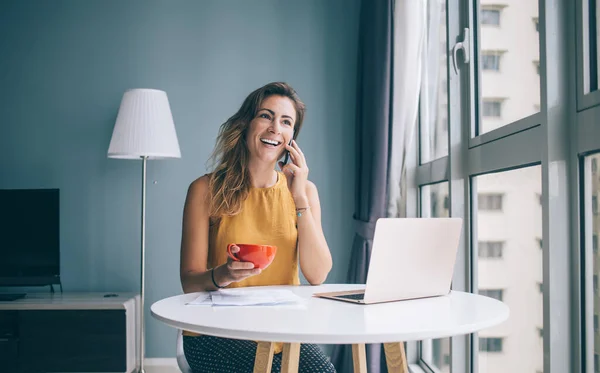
(287, 153)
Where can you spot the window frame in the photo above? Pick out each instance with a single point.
(475, 80)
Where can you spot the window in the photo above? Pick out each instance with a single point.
(595, 205)
(495, 124)
(490, 17)
(433, 103)
(501, 50)
(541, 332)
(490, 344)
(439, 205)
(595, 243)
(490, 60)
(595, 322)
(595, 283)
(518, 271)
(594, 165)
(492, 108)
(492, 293)
(490, 249)
(434, 201)
(492, 201)
(591, 47)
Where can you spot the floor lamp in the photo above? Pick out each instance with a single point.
(144, 130)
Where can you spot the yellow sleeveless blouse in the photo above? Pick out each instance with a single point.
(268, 217)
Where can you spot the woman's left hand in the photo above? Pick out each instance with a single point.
(296, 172)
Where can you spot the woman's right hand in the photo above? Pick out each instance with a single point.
(235, 270)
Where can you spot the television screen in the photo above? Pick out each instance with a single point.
(29, 237)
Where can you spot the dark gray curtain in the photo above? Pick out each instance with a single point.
(373, 137)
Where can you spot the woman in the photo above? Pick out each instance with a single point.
(245, 200)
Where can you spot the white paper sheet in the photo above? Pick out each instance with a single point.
(247, 297)
(203, 299)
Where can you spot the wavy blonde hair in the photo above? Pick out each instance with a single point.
(229, 182)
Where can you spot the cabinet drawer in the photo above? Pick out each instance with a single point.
(72, 341)
(89, 322)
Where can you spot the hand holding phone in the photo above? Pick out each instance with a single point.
(296, 172)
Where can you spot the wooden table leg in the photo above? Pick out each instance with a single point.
(264, 357)
(290, 358)
(359, 358)
(395, 357)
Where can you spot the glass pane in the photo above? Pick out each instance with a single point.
(435, 203)
(592, 261)
(509, 257)
(508, 62)
(594, 56)
(433, 115)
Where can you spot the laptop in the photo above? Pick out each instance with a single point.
(411, 258)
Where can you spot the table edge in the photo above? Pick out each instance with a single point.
(333, 338)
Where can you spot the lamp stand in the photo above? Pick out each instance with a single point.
(143, 264)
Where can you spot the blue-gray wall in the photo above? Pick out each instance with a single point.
(64, 66)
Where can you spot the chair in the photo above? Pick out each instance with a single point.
(181, 361)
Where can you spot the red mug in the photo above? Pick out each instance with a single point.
(260, 255)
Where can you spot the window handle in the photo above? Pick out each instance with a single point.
(465, 45)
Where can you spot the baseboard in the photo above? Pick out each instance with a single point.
(161, 365)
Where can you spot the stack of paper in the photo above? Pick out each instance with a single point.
(247, 297)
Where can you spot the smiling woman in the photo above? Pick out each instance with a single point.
(245, 200)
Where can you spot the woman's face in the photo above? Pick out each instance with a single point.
(271, 128)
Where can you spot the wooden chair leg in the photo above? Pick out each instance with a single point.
(359, 358)
(395, 357)
(264, 357)
(290, 358)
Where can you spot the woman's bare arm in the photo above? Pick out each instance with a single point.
(194, 239)
(193, 271)
(315, 257)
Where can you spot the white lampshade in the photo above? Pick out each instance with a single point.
(144, 127)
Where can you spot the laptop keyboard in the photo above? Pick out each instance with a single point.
(352, 296)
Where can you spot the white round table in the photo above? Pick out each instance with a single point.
(326, 321)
